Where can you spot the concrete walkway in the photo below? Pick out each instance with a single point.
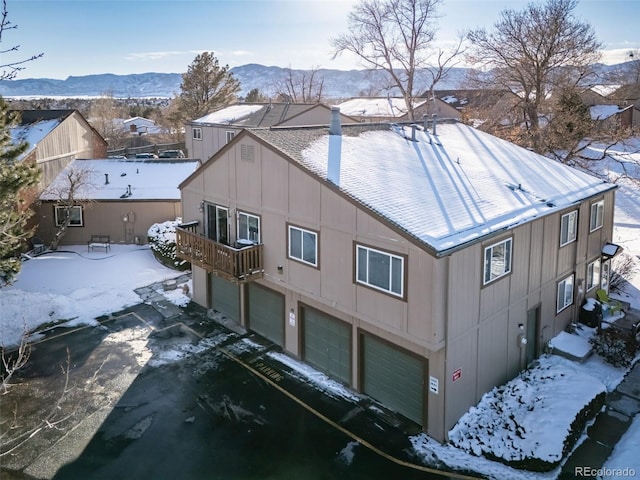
(621, 406)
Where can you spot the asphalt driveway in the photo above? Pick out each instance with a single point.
(154, 395)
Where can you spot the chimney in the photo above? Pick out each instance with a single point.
(425, 122)
(129, 190)
(106, 179)
(335, 147)
(414, 127)
(435, 121)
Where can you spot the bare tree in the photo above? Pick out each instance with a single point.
(12, 361)
(104, 114)
(532, 52)
(69, 193)
(10, 69)
(301, 86)
(398, 36)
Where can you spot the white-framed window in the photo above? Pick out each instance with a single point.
(497, 260)
(593, 275)
(605, 272)
(597, 215)
(303, 245)
(380, 270)
(568, 228)
(230, 134)
(75, 214)
(248, 227)
(197, 133)
(565, 293)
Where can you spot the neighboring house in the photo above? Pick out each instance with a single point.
(208, 134)
(394, 109)
(123, 198)
(56, 138)
(420, 266)
(139, 126)
(614, 116)
(477, 104)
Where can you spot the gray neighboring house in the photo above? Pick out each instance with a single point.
(408, 262)
(208, 134)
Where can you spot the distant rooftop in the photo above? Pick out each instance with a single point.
(255, 114)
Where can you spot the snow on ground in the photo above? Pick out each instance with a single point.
(625, 454)
(75, 286)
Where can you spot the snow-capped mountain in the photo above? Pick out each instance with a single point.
(336, 83)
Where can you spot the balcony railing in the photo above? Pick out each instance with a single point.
(235, 264)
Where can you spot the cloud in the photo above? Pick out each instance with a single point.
(241, 53)
(619, 55)
(158, 55)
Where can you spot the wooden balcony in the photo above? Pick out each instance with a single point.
(234, 264)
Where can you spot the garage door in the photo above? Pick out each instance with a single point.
(225, 297)
(327, 344)
(266, 312)
(393, 377)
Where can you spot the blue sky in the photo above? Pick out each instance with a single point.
(83, 37)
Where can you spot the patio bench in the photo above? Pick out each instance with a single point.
(99, 241)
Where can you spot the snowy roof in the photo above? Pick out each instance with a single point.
(444, 190)
(149, 179)
(229, 115)
(33, 133)
(376, 107)
(602, 112)
(605, 90)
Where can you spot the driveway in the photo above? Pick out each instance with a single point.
(152, 395)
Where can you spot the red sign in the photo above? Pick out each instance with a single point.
(457, 373)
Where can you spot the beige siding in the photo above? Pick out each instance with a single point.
(446, 303)
(106, 218)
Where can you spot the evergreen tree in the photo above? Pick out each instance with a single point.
(15, 178)
(206, 87)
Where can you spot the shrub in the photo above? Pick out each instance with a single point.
(615, 346)
(622, 268)
(162, 239)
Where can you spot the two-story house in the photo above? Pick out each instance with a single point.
(409, 262)
(206, 135)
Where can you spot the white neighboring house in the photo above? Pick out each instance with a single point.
(139, 126)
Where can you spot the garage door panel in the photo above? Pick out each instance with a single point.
(225, 297)
(327, 344)
(393, 377)
(266, 312)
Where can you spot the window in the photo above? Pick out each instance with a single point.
(497, 260)
(568, 228)
(197, 133)
(597, 215)
(565, 293)
(604, 275)
(75, 214)
(593, 275)
(248, 227)
(217, 224)
(380, 270)
(303, 245)
(230, 135)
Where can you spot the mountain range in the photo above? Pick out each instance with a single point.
(267, 79)
(337, 84)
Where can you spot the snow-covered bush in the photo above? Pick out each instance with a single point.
(615, 345)
(623, 267)
(162, 239)
(534, 420)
